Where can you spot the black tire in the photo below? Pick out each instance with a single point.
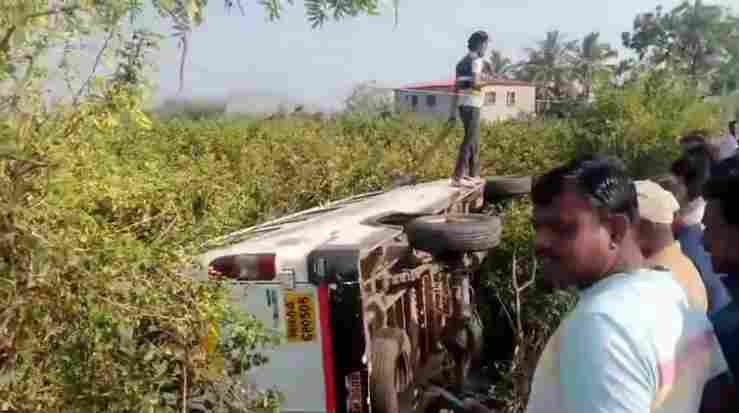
(438, 235)
(497, 187)
(391, 369)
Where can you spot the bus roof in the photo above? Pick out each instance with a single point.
(344, 223)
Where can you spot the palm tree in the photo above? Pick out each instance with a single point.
(591, 59)
(499, 65)
(550, 63)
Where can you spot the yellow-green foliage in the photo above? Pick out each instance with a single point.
(97, 223)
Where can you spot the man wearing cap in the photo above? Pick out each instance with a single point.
(657, 208)
(632, 344)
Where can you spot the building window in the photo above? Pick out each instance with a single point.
(431, 101)
(414, 100)
(490, 98)
(510, 98)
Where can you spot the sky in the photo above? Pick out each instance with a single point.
(231, 54)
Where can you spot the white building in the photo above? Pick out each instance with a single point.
(504, 100)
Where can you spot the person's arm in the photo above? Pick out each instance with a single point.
(453, 108)
(603, 370)
(479, 76)
(477, 73)
(718, 295)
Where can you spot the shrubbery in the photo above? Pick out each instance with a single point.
(97, 224)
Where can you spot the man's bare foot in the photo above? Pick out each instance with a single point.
(472, 180)
(461, 182)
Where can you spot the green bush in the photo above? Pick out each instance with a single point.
(642, 123)
(98, 223)
(519, 314)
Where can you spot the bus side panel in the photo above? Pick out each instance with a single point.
(302, 345)
(339, 268)
(350, 347)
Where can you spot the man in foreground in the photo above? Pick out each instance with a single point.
(632, 343)
(657, 208)
(468, 99)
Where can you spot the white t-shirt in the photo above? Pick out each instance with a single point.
(472, 98)
(631, 345)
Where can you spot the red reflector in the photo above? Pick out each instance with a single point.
(266, 266)
(244, 267)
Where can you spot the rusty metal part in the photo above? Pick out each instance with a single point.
(421, 295)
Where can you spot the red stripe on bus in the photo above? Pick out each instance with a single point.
(327, 346)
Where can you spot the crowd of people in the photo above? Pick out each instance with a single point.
(655, 263)
(656, 266)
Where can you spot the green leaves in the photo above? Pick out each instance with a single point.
(695, 38)
(274, 8)
(551, 64)
(320, 11)
(98, 309)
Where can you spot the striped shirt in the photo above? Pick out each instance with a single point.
(467, 68)
(631, 345)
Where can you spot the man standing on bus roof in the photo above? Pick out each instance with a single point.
(469, 80)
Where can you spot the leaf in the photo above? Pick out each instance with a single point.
(142, 120)
(150, 354)
(194, 11)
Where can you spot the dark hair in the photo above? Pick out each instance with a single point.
(695, 137)
(692, 140)
(476, 40)
(694, 168)
(723, 186)
(602, 180)
(675, 186)
(732, 124)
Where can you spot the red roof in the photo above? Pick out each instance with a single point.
(448, 84)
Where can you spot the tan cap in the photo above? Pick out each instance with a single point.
(655, 203)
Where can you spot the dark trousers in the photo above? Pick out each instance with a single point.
(468, 159)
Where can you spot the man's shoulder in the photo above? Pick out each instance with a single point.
(470, 58)
(633, 287)
(624, 297)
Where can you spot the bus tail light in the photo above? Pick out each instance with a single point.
(244, 267)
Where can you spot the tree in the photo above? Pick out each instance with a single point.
(551, 63)
(727, 75)
(29, 29)
(692, 37)
(591, 59)
(499, 65)
(98, 317)
(369, 99)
